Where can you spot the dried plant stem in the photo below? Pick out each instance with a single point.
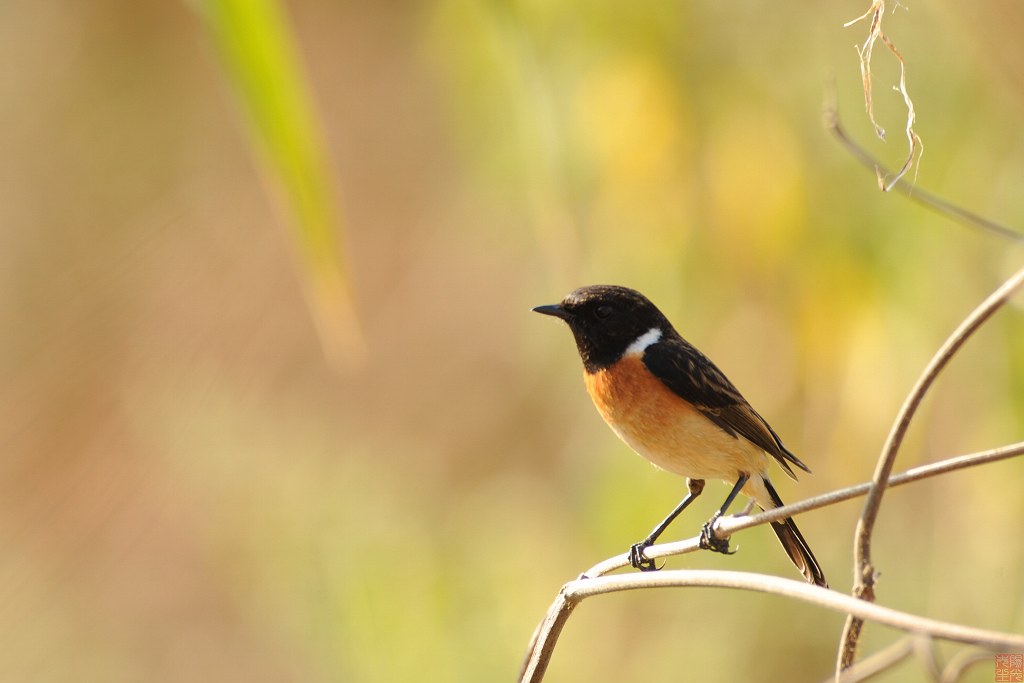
(864, 571)
(913, 140)
(875, 13)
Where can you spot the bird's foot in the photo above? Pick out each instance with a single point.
(708, 540)
(637, 559)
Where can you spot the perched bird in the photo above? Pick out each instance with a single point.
(671, 405)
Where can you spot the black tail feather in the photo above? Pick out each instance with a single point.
(795, 545)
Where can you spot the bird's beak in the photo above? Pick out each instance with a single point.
(555, 310)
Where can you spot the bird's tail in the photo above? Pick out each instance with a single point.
(794, 543)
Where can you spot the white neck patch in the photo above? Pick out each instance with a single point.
(638, 347)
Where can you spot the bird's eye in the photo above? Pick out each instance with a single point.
(603, 312)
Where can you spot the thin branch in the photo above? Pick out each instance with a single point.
(575, 592)
(863, 569)
(942, 207)
(727, 526)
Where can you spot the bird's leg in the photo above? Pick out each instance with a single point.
(636, 552)
(708, 541)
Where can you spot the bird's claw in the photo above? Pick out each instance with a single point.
(637, 559)
(708, 540)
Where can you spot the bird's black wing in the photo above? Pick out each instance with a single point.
(693, 377)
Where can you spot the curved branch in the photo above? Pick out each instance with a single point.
(863, 569)
(575, 592)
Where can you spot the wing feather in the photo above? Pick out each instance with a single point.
(693, 377)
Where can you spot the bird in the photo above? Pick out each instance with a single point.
(674, 407)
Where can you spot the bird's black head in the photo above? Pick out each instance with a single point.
(606, 320)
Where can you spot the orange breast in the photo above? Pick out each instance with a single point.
(665, 429)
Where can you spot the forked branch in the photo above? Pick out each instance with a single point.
(863, 569)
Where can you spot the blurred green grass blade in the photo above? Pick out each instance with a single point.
(258, 53)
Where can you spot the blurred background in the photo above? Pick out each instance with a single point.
(190, 491)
